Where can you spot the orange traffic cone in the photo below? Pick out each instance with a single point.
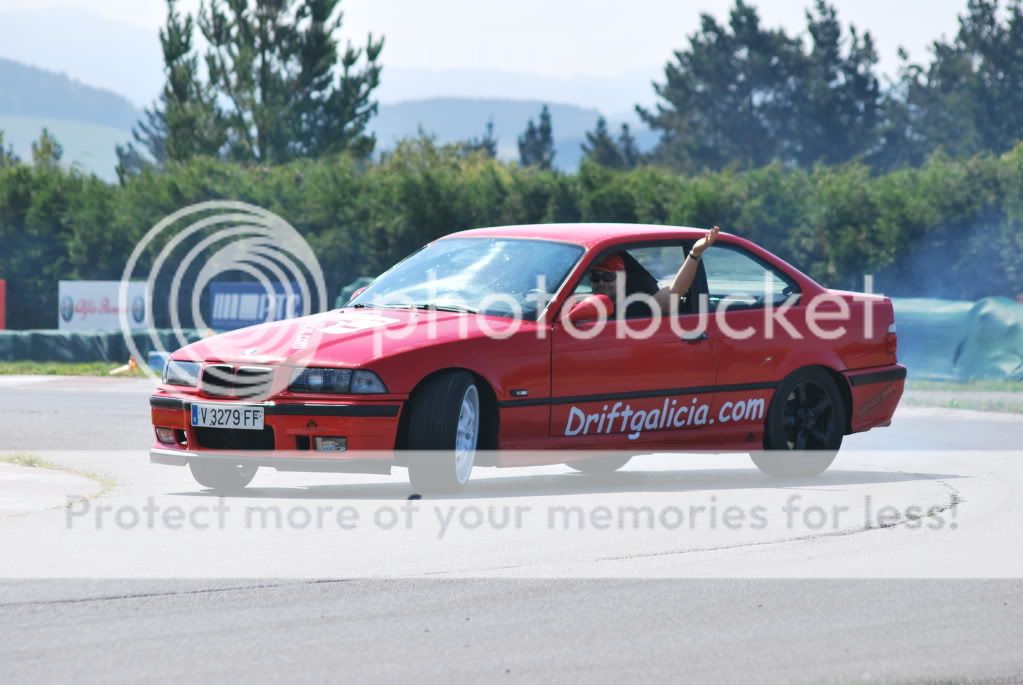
(131, 367)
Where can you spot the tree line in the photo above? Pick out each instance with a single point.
(742, 94)
(947, 228)
(275, 83)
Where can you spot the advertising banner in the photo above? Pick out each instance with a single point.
(236, 305)
(93, 305)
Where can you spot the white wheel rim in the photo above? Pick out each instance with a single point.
(467, 433)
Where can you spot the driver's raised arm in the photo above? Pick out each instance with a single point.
(683, 280)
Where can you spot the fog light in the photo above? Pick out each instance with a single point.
(166, 436)
(331, 444)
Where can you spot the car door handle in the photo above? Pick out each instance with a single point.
(693, 339)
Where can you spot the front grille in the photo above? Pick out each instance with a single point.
(245, 382)
(253, 381)
(235, 438)
(218, 380)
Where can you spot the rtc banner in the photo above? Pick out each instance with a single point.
(92, 305)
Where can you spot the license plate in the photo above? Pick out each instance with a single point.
(246, 417)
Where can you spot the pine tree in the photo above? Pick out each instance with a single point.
(276, 88)
(487, 145)
(839, 103)
(727, 97)
(276, 64)
(536, 145)
(969, 98)
(546, 142)
(47, 152)
(742, 93)
(186, 121)
(7, 156)
(600, 148)
(627, 148)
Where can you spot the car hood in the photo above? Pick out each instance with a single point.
(342, 337)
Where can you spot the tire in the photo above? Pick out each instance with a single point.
(599, 465)
(443, 431)
(223, 477)
(804, 428)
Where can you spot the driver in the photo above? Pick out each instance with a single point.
(608, 276)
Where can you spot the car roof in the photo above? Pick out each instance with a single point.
(600, 237)
(585, 234)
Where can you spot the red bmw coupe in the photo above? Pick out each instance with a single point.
(488, 347)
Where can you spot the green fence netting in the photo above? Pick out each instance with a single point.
(92, 346)
(961, 341)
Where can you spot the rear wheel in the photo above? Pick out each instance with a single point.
(443, 431)
(805, 425)
(223, 477)
(599, 465)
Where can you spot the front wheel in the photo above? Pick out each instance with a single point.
(223, 477)
(443, 431)
(804, 428)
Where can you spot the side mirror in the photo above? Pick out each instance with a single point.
(357, 293)
(590, 308)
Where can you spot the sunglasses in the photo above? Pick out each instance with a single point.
(596, 276)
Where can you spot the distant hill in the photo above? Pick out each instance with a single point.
(608, 93)
(458, 118)
(90, 121)
(27, 91)
(75, 39)
(87, 146)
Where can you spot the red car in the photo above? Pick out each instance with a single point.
(487, 348)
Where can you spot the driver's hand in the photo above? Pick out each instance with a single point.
(706, 241)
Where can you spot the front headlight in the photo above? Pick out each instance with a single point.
(367, 383)
(336, 381)
(181, 373)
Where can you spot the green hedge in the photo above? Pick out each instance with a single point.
(948, 229)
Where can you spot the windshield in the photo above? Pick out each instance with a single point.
(495, 276)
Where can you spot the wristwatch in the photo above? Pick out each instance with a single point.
(693, 255)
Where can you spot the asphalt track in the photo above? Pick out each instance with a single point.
(903, 562)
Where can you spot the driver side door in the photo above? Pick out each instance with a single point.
(637, 382)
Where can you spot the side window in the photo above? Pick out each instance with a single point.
(584, 287)
(660, 264)
(648, 269)
(735, 274)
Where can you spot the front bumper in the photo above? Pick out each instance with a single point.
(370, 428)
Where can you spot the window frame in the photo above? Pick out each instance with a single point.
(796, 289)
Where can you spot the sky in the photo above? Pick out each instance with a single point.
(557, 41)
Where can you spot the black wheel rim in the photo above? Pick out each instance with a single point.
(809, 418)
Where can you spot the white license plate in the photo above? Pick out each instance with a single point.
(246, 417)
